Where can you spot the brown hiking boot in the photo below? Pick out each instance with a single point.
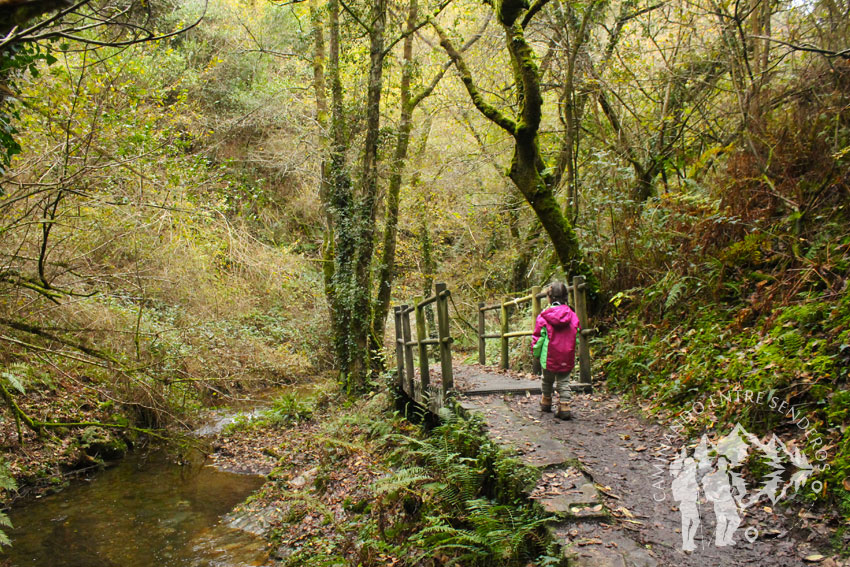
(546, 404)
(564, 411)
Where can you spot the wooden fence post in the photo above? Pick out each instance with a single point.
(503, 313)
(535, 311)
(399, 348)
(424, 372)
(445, 339)
(408, 349)
(482, 343)
(581, 311)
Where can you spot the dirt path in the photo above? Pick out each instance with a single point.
(623, 452)
(624, 456)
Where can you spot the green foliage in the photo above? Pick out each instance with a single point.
(289, 409)
(449, 492)
(14, 380)
(7, 484)
(16, 61)
(163, 254)
(21, 375)
(101, 443)
(499, 535)
(799, 354)
(472, 496)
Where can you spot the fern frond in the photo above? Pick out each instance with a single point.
(399, 480)
(14, 381)
(675, 294)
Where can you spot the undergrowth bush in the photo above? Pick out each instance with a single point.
(448, 496)
(158, 286)
(473, 495)
(7, 483)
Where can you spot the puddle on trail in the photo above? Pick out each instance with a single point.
(143, 512)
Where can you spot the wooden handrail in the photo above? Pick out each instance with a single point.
(575, 297)
(433, 396)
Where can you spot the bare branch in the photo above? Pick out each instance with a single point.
(42, 30)
(416, 27)
(844, 53)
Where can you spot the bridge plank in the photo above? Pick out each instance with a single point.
(476, 380)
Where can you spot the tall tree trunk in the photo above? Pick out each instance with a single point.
(386, 268)
(360, 301)
(340, 206)
(320, 88)
(426, 247)
(409, 102)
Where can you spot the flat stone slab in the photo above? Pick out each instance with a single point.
(535, 445)
(599, 547)
(477, 381)
(575, 502)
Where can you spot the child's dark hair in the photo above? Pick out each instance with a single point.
(557, 292)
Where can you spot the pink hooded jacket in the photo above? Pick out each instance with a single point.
(562, 326)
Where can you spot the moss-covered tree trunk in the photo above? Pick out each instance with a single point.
(325, 170)
(360, 224)
(528, 168)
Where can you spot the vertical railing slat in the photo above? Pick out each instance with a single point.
(408, 350)
(482, 343)
(444, 336)
(424, 372)
(581, 310)
(399, 348)
(503, 330)
(535, 311)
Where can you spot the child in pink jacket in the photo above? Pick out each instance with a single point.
(554, 343)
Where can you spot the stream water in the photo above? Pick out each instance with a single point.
(146, 511)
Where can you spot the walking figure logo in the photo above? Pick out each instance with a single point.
(713, 467)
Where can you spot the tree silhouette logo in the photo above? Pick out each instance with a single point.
(712, 473)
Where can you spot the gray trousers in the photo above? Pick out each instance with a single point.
(559, 379)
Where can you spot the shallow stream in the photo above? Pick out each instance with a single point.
(146, 511)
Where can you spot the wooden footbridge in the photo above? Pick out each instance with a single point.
(432, 386)
(578, 515)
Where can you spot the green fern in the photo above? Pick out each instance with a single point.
(400, 480)
(675, 294)
(13, 380)
(492, 534)
(7, 483)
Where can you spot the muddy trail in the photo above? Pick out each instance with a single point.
(622, 452)
(605, 475)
